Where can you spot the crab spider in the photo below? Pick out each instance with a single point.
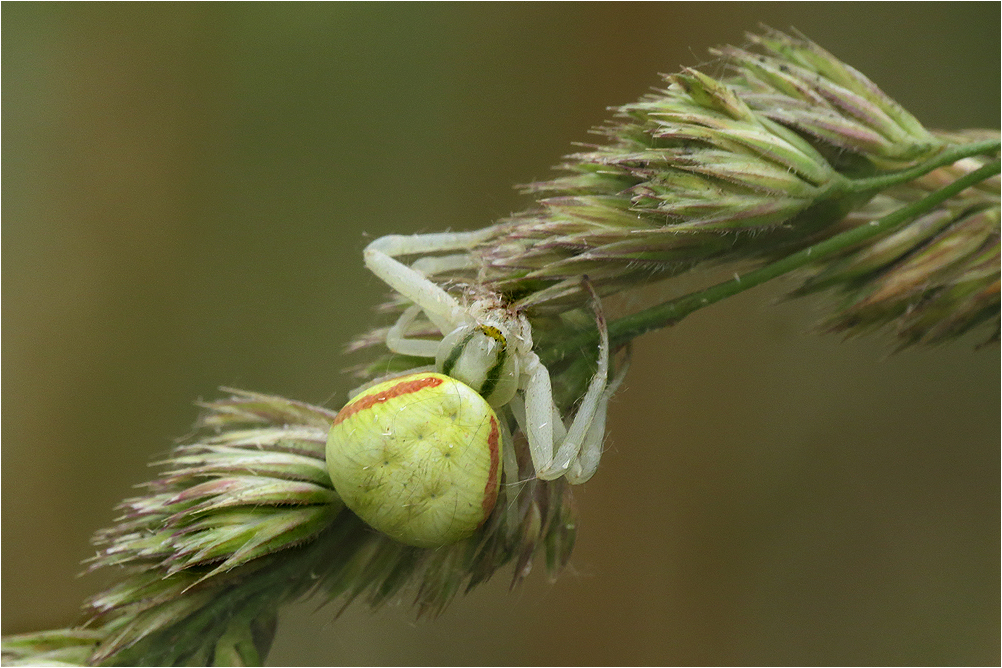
(488, 346)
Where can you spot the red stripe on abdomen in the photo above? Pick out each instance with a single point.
(400, 389)
(491, 488)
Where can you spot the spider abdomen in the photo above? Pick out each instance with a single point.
(418, 458)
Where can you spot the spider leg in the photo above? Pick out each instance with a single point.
(397, 341)
(441, 307)
(429, 266)
(539, 414)
(586, 463)
(590, 405)
(539, 428)
(416, 244)
(512, 485)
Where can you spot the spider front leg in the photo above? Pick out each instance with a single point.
(441, 308)
(586, 463)
(428, 245)
(541, 418)
(435, 242)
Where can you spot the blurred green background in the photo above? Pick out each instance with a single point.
(187, 189)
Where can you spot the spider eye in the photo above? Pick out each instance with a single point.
(494, 333)
(479, 355)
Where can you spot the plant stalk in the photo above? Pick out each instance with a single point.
(673, 311)
(949, 156)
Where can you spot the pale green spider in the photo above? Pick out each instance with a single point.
(488, 346)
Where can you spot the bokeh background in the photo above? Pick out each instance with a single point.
(187, 189)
